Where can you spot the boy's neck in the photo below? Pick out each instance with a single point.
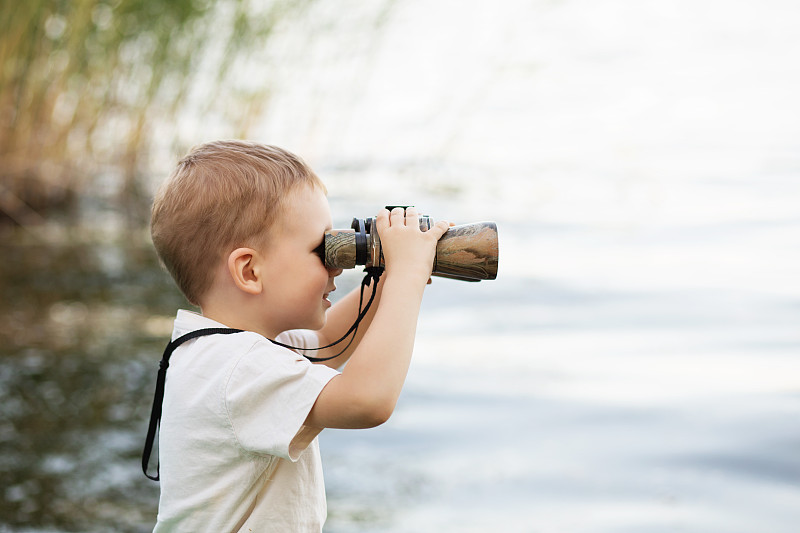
(237, 319)
(225, 304)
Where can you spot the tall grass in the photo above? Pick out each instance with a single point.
(83, 84)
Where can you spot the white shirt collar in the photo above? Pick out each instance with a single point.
(187, 321)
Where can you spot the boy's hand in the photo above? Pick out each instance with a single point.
(407, 250)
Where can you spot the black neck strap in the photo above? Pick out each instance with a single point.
(373, 274)
(155, 414)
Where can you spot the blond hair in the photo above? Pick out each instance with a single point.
(222, 195)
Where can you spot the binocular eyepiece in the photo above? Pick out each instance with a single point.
(468, 252)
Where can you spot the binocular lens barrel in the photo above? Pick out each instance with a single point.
(468, 252)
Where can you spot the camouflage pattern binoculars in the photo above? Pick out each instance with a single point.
(468, 252)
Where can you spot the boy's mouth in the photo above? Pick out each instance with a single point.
(331, 287)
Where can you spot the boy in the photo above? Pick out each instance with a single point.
(239, 226)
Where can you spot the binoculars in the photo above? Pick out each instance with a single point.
(467, 252)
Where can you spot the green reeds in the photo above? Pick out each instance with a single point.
(83, 83)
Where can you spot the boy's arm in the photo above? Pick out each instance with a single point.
(365, 393)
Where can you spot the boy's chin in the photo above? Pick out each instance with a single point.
(320, 323)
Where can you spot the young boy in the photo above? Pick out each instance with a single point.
(239, 226)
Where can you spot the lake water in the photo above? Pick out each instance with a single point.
(634, 368)
(636, 365)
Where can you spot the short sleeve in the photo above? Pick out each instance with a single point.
(268, 396)
(300, 338)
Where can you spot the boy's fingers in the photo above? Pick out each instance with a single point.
(439, 229)
(382, 220)
(397, 217)
(412, 217)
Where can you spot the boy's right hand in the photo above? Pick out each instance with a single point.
(407, 250)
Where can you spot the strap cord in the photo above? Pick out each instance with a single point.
(155, 413)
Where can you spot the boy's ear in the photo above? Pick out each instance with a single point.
(243, 268)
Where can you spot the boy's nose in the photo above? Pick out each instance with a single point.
(333, 272)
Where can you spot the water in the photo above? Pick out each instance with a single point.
(635, 366)
(621, 392)
(80, 338)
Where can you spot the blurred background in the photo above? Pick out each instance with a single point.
(634, 368)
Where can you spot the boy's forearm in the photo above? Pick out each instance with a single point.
(381, 360)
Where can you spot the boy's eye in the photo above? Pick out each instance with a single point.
(320, 251)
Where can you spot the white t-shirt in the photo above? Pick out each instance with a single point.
(234, 454)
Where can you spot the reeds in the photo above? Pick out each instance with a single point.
(83, 83)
